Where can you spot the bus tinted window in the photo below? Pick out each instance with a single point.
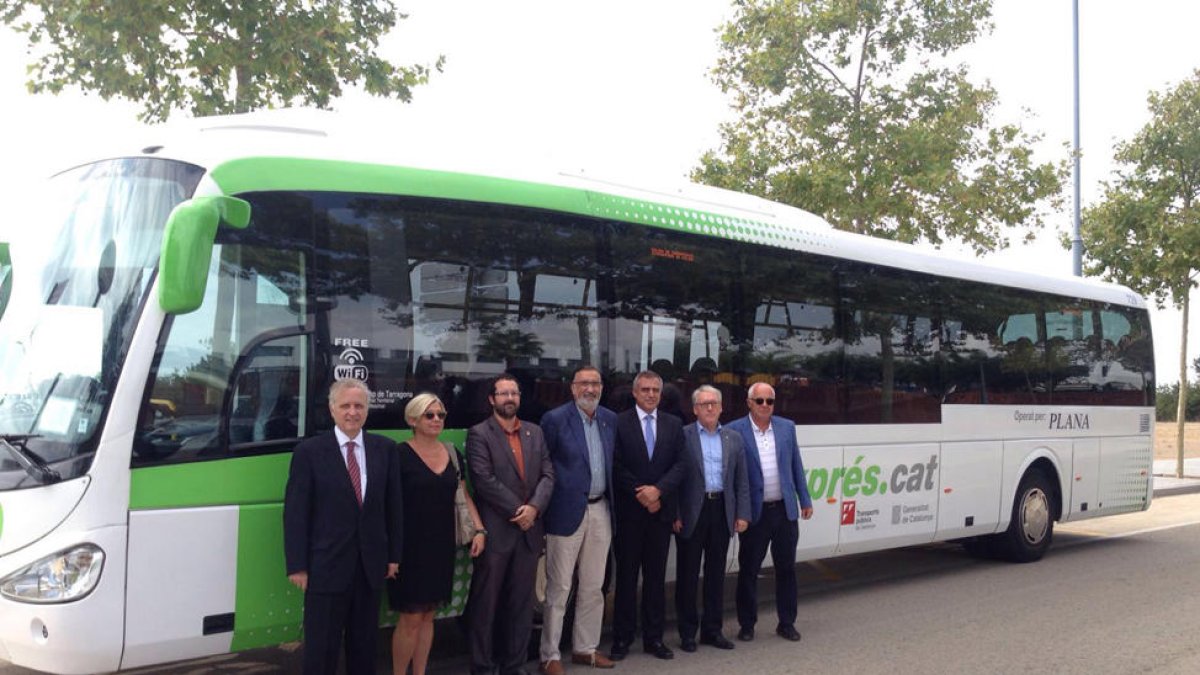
(793, 336)
(417, 295)
(893, 373)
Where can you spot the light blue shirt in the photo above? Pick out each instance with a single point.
(710, 447)
(591, 432)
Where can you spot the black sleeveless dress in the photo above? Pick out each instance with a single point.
(427, 571)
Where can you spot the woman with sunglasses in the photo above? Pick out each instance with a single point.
(429, 481)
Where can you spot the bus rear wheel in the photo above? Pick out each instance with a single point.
(1032, 525)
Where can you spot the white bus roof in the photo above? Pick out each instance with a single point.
(320, 135)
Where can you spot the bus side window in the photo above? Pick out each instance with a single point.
(268, 402)
(244, 345)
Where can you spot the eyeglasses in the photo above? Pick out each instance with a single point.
(763, 401)
(587, 383)
(507, 394)
(709, 404)
(430, 415)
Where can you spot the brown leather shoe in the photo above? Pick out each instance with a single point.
(552, 667)
(595, 660)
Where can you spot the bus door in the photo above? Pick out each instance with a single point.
(228, 399)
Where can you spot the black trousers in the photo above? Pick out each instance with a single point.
(710, 541)
(775, 530)
(331, 618)
(500, 608)
(641, 545)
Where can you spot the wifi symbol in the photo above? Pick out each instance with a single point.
(351, 355)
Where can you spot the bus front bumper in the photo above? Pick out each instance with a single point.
(81, 636)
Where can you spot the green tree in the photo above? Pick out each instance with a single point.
(847, 109)
(211, 57)
(1145, 232)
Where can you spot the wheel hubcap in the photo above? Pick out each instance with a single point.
(1035, 516)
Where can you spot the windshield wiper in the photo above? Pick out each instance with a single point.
(35, 466)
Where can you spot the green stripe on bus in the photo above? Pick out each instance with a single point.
(268, 609)
(243, 480)
(261, 174)
(260, 479)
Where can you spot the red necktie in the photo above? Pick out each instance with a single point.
(352, 467)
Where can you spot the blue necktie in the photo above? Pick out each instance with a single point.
(650, 435)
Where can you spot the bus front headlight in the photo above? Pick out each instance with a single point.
(62, 577)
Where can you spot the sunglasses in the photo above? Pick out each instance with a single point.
(764, 401)
(431, 415)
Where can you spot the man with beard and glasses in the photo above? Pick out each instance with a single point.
(579, 435)
(513, 480)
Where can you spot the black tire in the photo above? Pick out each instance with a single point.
(1032, 526)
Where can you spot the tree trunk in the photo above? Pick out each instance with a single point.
(1181, 409)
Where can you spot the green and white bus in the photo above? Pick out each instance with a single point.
(163, 353)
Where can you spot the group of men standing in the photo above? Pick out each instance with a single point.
(585, 480)
(635, 478)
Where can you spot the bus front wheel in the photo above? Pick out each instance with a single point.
(1032, 526)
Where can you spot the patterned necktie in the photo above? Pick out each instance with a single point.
(650, 435)
(355, 475)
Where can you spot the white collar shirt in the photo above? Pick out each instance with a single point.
(765, 441)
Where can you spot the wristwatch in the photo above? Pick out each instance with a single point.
(480, 531)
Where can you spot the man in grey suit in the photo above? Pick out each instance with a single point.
(714, 502)
(513, 479)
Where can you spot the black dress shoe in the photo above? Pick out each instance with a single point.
(687, 644)
(746, 634)
(717, 641)
(658, 650)
(788, 633)
(619, 651)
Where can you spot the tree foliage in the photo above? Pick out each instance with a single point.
(1145, 232)
(846, 108)
(211, 57)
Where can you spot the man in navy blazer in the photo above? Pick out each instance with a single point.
(776, 481)
(579, 437)
(714, 502)
(342, 520)
(646, 472)
(513, 479)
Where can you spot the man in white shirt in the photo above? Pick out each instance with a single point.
(776, 481)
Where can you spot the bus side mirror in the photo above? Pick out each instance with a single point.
(188, 245)
(6, 277)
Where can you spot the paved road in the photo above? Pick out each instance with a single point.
(1115, 595)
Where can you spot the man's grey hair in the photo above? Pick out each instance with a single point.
(750, 391)
(648, 375)
(705, 389)
(347, 383)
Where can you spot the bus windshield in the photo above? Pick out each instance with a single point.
(78, 290)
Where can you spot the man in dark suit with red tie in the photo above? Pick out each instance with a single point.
(647, 471)
(342, 524)
(513, 480)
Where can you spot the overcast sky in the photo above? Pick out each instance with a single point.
(622, 87)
